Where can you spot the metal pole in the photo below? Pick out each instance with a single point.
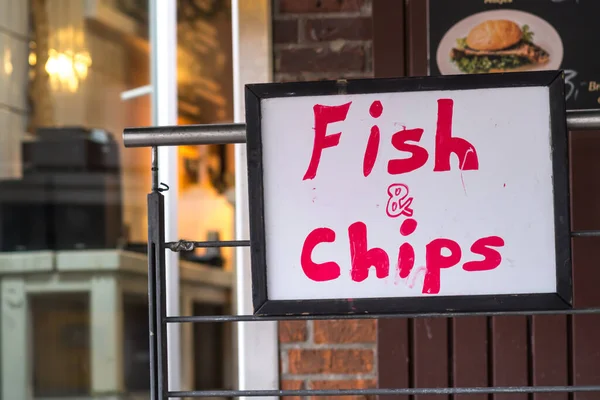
(185, 135)
(156, 297)
(236, 133)
(583, 120)
(163, 42)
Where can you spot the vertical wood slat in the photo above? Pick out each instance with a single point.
(550, 354)
(416, 39)
(470, 355)
(585, 210)
(586, 328)
(393, 335)
(388, 38)
(510, 355)
(586, 354)
(430, 350)
(393, 361)
(430, 337)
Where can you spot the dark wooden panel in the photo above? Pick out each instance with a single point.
(585, 180)
(551, 361)
(585, 208)
(393, 362)
(586, 271)
(416, 37)
(393, 335)
(510, 354)
(586, 328)
(430, 352)
(430, 355)
(585, 203)
(469, 355)
(586, 354)
(388, 38)
(549, 354)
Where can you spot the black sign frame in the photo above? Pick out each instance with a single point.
(562, 299)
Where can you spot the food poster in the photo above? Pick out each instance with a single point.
(488, 36)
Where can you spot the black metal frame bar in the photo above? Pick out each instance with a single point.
(387, 392)
(256, 318)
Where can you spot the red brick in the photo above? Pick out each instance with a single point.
(285, 31)
(353, 331)
(319, 6)
(292, 385)
(347, 384)
(344, 59)
(324, 29)
(292, 331)
(313, 361)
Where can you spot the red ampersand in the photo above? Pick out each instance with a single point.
(398, 202)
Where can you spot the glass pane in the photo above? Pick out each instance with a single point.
(72, 199)
(206, 212)
(73, 230)
(205, 89)
(63, 368)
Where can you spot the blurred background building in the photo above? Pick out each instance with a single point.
(73, 225)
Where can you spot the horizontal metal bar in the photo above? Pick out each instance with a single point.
(585, 233)
(384, 392)
(185, 245)
(254, 318)
(184, 135)
(236, 133)
(583, 120)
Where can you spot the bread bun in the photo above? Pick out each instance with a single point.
(494, 35)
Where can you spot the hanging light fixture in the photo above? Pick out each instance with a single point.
(67, 68)
(68, 59)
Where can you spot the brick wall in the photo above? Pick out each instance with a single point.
(315, 40)
(328, 354)
(322, 39)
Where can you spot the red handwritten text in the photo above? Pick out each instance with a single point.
(440, 253)
(398, 201)
(406, 140)
(324, 115)
(364, 257)
(373, 144)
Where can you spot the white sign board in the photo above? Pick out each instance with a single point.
(432, 194)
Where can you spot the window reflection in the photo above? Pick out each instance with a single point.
(73, 225)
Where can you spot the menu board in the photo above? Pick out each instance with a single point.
(488, 36)
(396, 195)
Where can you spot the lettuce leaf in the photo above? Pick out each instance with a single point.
(527, 34)
(484, 64)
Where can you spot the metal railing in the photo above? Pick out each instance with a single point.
(236, 133)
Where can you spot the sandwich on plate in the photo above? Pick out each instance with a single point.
(498, 46)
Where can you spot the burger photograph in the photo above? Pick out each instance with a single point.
(475, 37)
(497, 46)
(499, 41)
